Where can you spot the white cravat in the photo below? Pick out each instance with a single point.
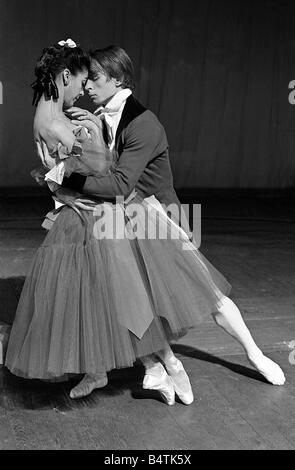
(112, 113)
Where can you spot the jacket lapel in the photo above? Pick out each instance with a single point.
(131, 110)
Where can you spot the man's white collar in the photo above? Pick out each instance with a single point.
(116, 102)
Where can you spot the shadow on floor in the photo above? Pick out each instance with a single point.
(18, 393)
(188, 351)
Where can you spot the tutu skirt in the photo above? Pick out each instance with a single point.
(91, 302)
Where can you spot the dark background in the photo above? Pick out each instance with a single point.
(216, 72)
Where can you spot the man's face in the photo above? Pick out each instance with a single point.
(75, 88)
(100, 87)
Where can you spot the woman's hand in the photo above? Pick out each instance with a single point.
(93, 128)
(78, 114)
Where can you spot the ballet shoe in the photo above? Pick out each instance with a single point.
(87, 385)
(156, 378)
(270, 370)
(180, 381)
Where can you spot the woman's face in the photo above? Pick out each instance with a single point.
(74, 88)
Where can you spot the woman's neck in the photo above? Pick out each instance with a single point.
(52, 108)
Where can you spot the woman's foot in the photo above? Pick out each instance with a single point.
(180, 380)
(156, 378)
(88, 384)
(268, 368)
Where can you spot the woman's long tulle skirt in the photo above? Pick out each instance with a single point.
(91, 302)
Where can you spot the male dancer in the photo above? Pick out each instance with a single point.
(141, 149)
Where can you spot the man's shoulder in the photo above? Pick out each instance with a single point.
(141, 123)
(148, 115)
(148, 118)
(140, 112)
(147, 125)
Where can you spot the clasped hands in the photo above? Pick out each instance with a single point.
(96, 154)
(84, 118)
(93, 158)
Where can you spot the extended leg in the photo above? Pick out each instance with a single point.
(229, 318)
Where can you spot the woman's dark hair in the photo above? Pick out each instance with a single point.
(115, 63)
(55, 59)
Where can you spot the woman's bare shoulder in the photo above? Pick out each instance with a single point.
(61, 133)
(54, 132)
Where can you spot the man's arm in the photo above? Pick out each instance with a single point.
(141, 144)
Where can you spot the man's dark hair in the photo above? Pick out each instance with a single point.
(114, 62)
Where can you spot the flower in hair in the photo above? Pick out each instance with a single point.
(68, 42)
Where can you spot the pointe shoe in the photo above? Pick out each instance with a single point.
(180, 381)
(156, 378)
(87, 385)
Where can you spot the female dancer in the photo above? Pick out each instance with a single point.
(91, 304)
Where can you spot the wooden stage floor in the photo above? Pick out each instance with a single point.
(252, 242)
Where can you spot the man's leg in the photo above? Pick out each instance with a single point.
(229, 318)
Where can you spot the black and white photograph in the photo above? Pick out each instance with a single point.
(147, 227)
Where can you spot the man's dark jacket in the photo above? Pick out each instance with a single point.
(141, 151)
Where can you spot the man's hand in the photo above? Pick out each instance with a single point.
(85, 204)
(73, 198)
(78, 114)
